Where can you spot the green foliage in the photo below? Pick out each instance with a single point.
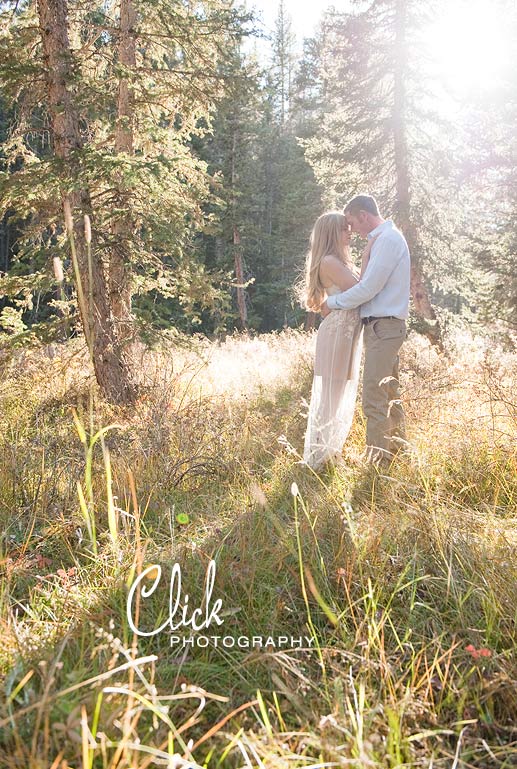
(356, 149)
(267, 189)
(176, 84)
(488, 175)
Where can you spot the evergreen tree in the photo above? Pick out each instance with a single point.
(379, 133)
(488, 179)
(283, 62)
(269, 195)
(123, 88)
(230, 150)
(293, 195)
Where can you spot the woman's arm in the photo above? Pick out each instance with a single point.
(332, 270)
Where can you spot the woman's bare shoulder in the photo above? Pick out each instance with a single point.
(331, 264)
(333, 271)
(332, 259)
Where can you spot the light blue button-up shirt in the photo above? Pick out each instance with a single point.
(384, 288)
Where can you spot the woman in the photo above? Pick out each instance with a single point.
(338, 344)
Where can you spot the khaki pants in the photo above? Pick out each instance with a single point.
(382, 408)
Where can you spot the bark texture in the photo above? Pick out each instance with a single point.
(120, 289)
(112, 370)
(421, 302)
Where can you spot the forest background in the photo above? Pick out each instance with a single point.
(203, 162)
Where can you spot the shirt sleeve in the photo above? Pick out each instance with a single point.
(381, 265)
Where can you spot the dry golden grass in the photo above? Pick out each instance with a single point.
(407, 582)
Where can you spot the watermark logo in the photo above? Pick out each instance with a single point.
(181, 615)
(197, 620)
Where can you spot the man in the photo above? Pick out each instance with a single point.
(383, 296)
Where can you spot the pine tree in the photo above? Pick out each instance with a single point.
(132, 85)
(488, 180)
(379, 133)
(269, 193)
(283, 62)
(293, 196)
(113, 372)
(230, 151)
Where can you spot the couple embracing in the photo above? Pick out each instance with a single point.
(372, 307)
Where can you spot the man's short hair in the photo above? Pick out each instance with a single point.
(362, 203)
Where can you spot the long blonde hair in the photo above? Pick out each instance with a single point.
(326, 238)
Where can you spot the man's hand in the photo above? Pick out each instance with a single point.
(325, 310)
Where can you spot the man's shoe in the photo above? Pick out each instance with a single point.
(374, 455)
(400, 447)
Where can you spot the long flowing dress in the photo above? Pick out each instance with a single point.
(334, 388)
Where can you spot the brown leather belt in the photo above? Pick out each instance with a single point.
(371, 318)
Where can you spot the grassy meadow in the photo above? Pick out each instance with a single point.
(405, 581)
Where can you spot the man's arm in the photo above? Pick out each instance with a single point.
(379, 269)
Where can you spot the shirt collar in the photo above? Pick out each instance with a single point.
(387, 225)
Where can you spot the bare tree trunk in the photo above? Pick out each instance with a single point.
(239, 276)
(120, 289)
(421, 301)
(113, 373)
(281, 56)
(237, 252)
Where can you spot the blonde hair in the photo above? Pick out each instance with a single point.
(326, 239)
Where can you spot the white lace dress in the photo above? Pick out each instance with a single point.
(334, 387)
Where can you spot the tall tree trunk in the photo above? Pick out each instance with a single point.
(421, 301)
(281, 59)
(268, 321)
(237, 251)
(120, 289)
(4, 243)
(239, 276)
(112, 371)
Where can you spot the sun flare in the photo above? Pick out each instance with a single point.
(470, 44)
